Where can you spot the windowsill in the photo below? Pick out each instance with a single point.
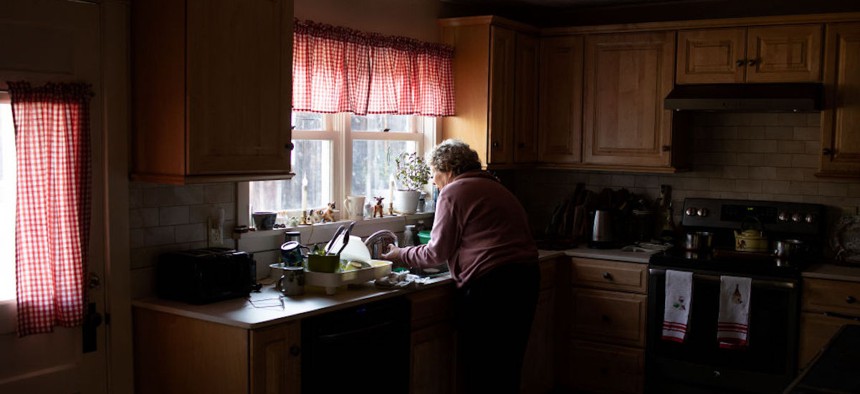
(324, 226)
(8, 316)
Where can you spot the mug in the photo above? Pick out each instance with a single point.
(264, 220)
(291, 254)
(292, 282)
(354, 207)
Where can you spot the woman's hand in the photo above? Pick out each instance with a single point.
(392, 253)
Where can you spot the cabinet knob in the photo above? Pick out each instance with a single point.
(295, 350)
(521, 145)
(752, 62)
(850, 300)
(740, 62)
(666, 148)
(495, 144)
(289, 146)
(607, 276)
(606, 319)
(827, 152)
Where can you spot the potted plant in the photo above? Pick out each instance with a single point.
(412, 172)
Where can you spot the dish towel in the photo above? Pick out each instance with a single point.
(733, 323)
(676, 311)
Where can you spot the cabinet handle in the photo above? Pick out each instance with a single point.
(740, 62)
(841, 316)
(752, 62)
(295, 350)
(850, 300)
(521, 145)
(289, 146)
(605, 319)
(607, 276)
(495, 144)
(827, 152)
(666, 148)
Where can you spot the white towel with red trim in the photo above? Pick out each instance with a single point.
(676, 311)
(733, 323)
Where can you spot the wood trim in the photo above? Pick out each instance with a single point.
(706, 23)
(625, 168)
(487, 20)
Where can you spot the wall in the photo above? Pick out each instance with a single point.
(411, 18)
(735, 155)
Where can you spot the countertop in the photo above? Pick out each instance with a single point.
(833, 272)
(265, 309)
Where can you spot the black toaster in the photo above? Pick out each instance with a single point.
(201, 276)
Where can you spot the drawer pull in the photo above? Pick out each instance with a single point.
(606, 319)
(850, 299)
(607, 276)
(841, 316)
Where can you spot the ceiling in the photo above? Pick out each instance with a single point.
(566, 4)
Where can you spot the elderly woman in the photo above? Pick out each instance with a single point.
(481, 231)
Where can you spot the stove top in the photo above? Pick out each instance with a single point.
(721, 217)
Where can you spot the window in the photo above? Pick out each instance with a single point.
(7, 200)
(365, 167)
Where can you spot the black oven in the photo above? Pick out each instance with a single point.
(768, 363)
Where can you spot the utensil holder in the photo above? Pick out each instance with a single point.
(323, 263)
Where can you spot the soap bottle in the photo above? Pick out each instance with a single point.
(409, 235)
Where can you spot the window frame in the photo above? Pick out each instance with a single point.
(337, 128)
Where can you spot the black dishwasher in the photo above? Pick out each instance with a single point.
(364, 348)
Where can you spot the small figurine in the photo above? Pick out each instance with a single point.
(328, 214)
(377, 209)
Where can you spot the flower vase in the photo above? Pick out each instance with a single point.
(406, 201)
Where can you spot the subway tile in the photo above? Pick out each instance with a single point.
(803, 188)
(759, 146)
(173, 215)
(791, 119)
(190, 232)
(805, 161)
(136, 237)
(833, 189)
(775, 187)
(738, 119)
(748, 186)
(762, 119)
(854, 189)
(785, 146)
(751, 133)
(761, 196)
(807, 133)
(625, 181)
(219, 193)
(736, 172)
(718, 184)
(600, 179)
(759, 172)
(812, 147)
(646, 181)
(161, 235)
(734, 195)
(711, 158)
(135, 197)
(779, 132)
(693, 183)
(790, 174)
(724, 132)
(814, 119)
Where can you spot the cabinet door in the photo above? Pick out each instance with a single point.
(608, 316)
(627, 76)
(711, 56)
(526, 102)
(816, 329)
(239, 55)
(434, 360)
(275, 359)
(502, 94)
(539, 363)
(840, 121)
(596, 368)
(560, 116)
(784, 54)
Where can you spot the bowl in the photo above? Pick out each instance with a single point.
(424, 237)
(264, 220)
(323, 263)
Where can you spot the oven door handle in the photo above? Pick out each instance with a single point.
(774, 284)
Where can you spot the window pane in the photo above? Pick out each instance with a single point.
(7, 203)
(311, 159)
(395, 123)
(373, 164)
(307, 121)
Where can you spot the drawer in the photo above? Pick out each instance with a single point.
(599, 368)
(822, 295)
(609, 275)
(816, 329)
(606, 316)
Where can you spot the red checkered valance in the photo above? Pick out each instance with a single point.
(336, 69)
(52, 218)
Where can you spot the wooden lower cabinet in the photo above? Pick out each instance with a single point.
(434, 342)
(606, 307)
(539, 361)
(827, 305)
(602, 368)
(176, 354)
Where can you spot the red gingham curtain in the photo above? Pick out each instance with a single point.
(52, 142)
(336, 69)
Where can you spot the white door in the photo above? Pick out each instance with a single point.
(40, 41)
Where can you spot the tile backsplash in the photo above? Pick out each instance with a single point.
(757, 156)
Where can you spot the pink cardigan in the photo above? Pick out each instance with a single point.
(478, 225)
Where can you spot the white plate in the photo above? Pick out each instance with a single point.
(846, 239)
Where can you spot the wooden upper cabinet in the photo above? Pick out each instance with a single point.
(840, 121)
(627, 76)
(211, 103)
(755, 54)
(560, 115)
(494, 78)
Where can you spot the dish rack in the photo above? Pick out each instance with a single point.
(331, 281)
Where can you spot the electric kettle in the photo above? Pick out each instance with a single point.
(601, 230)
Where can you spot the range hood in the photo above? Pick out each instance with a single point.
(779, 97)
